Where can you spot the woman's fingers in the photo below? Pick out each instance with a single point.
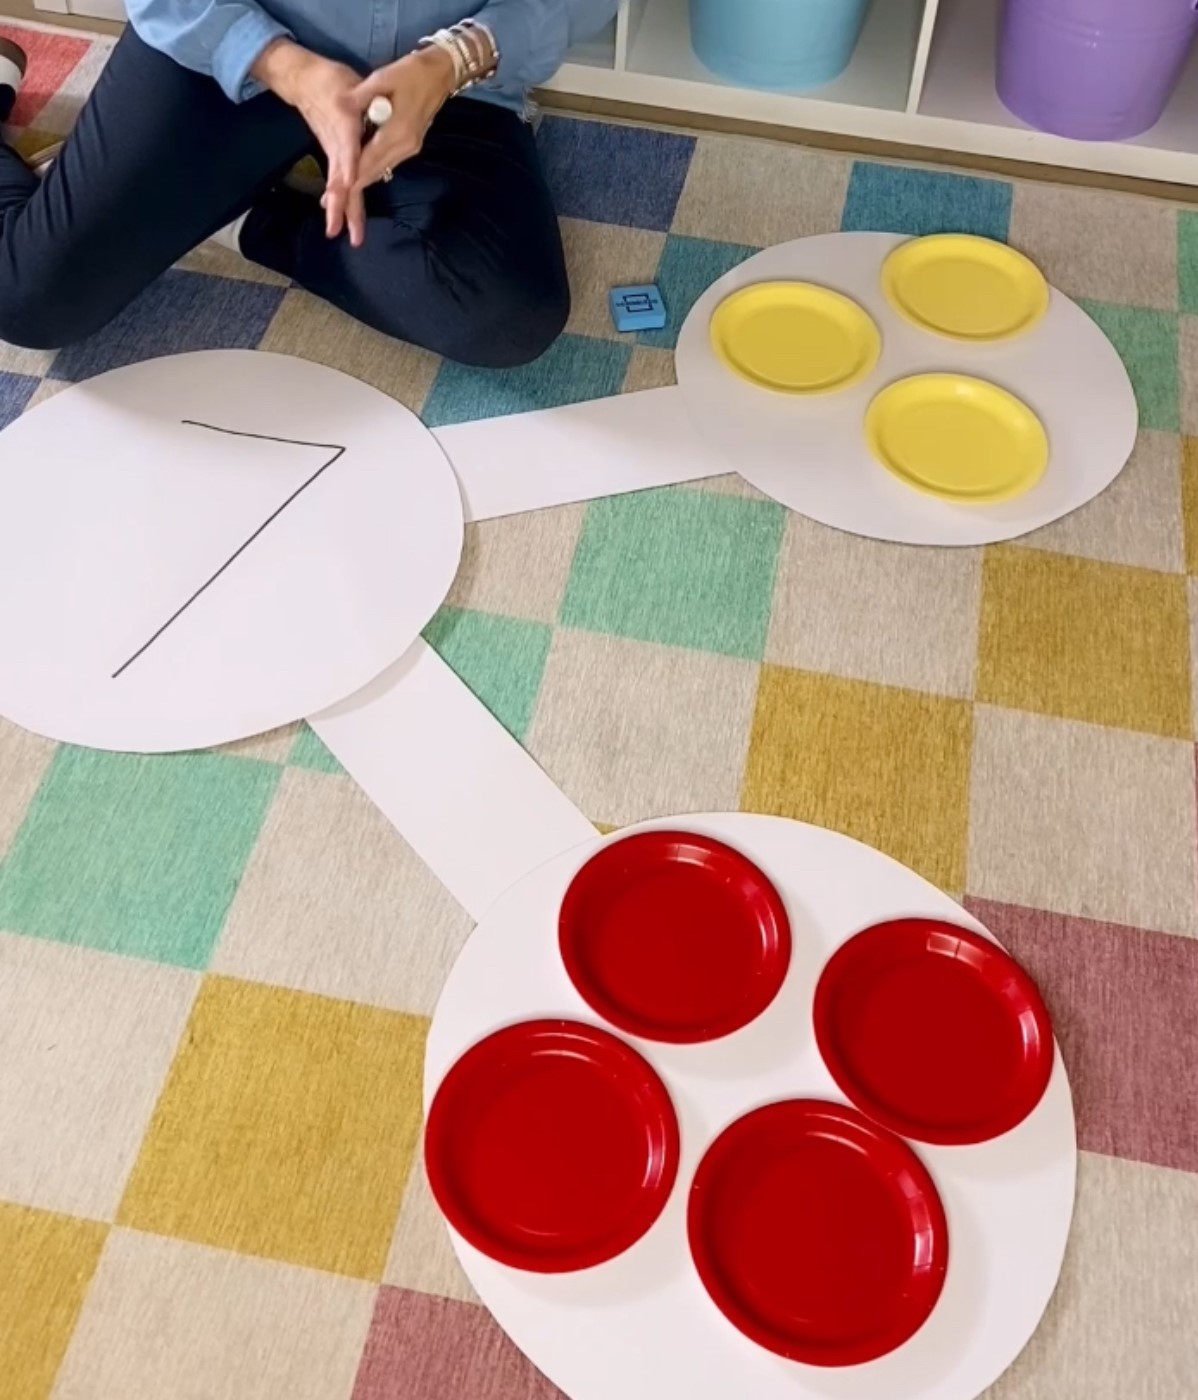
(380, 83)
(326, 95)
(379, 152)
(387, 150)
(373, 163)
(336, 197)
(355, 217)
(342, 148)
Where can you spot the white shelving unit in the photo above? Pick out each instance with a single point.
(92, 9)
(922, 75)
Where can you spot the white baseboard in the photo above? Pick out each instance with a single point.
(92, 9)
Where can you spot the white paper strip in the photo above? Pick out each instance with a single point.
(459, 789)
(555, 456)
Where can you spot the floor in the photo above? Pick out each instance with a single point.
(216, 969)
(26, 12)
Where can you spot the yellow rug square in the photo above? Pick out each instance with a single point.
(1078, 639)
(888, 766)
(46, 1264)
(31, 143)
(1189, 501)
(287, 1129)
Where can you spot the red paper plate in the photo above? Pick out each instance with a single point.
(818, 1234)
(934, 1031)
(674, 937)
(551, 1146)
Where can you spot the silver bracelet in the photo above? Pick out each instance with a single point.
(472, 49)
(468, 65)
(441, 40)
(481, 41)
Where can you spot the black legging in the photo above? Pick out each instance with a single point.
(463, 255)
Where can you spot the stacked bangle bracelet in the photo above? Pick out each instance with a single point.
(471, 46)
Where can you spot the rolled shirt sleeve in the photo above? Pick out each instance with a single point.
(222, 39)
(534, 35)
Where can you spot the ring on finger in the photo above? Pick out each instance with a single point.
(388, 174)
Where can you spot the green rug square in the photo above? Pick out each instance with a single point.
(687, 268)
(501, 659)
(135, 855)
(682, 567)
(1187, 261)
(1147, 342)
(309, 752)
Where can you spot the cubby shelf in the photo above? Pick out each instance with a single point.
(922, 75)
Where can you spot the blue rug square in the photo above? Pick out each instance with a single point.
(891, 199)
(181, 311)
(15, 392)
(615, 174)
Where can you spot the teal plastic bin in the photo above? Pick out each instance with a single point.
(788, 44)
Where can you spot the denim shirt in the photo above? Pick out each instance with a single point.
(224, 38)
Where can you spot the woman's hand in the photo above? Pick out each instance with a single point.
(417, 86)
(328, 97)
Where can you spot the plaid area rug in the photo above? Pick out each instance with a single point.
(216, 970)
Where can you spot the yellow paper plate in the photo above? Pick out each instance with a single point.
(795, 338)
(961, 439)
(966, 288)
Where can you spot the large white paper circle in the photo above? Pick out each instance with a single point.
(642, 1327)
(200, 548)
(811, 453)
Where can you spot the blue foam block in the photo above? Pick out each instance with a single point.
(637, 309)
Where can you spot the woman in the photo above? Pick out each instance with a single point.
(435, 227)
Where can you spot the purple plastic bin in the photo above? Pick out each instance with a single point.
(1097, 70)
